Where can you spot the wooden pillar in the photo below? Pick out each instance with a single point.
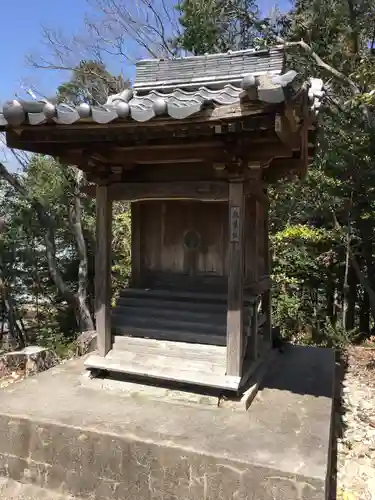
(103, 270)
(253, 238)
(254, 348)
(235, 327)
(136, 244)
(267, 297)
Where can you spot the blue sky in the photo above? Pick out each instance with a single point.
(20, 34)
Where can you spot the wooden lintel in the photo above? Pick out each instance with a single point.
(193, 152)
(191, 190)
(80, 150)
(190, 153)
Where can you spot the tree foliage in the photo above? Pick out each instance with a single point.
(218, 25)
(91, 83)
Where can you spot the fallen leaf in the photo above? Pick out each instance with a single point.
(347, 495)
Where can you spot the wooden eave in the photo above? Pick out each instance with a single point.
(248, 131)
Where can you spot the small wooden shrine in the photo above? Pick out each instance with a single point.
(193, 146)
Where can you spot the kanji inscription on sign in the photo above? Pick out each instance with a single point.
(235, 224)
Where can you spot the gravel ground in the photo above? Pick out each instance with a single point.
(355, 426)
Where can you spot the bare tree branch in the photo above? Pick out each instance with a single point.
(322, 64)
(119, 28)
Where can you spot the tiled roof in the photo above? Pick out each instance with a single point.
(177, 88)
(193, 72)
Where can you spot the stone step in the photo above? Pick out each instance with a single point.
(170, 349)
(163, 368)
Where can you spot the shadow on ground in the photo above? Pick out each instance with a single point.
(312, 375)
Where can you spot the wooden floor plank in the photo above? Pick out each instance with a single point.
(169, 348)
(181, 375)
(161, 362)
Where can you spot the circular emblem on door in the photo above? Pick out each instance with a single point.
(192, 240)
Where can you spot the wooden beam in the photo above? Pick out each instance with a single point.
(193, 152)
(235, 320)
(191, 190)
(78, 150)
(103, 270)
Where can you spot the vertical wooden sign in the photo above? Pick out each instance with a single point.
(235, 224)
(235, 323)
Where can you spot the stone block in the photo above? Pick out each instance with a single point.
(86, 343)
(30, 360)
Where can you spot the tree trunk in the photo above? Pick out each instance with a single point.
(77, 302)
(365, 284)
(75, 219)
(15, 332)
(345, 302)
(330, 295)
(352, 299)
(364, 318)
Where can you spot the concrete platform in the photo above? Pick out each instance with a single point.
(92, 444)
(14, 490)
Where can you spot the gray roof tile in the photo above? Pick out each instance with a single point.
(178, 88)
(194, 71)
